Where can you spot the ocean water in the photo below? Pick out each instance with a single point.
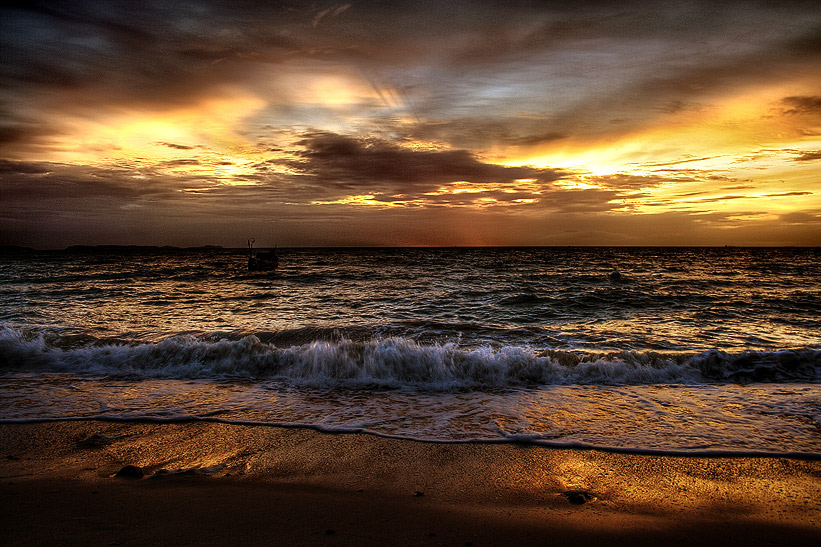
(689, 350)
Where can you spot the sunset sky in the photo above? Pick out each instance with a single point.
(410, 123)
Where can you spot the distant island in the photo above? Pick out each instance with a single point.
(15, 249)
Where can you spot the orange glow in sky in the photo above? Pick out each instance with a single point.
(536, 125)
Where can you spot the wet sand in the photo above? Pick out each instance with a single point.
(217, 484)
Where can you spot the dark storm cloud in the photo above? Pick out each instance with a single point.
(22, 130)
(176, 146)
(347, 162)
(179, 163)
(802, 105)
(803, 110)
(809, 156)
(443, 62)
(329, 167)
(11, 168)
(40, 181)
(153, 54)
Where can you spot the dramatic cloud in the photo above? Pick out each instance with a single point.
(802, 105)
(344, 162)
(811, 155)
(521, 121)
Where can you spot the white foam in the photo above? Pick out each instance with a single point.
(401, 362)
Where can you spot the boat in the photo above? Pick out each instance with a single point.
(266, 261)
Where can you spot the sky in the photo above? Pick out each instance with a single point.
(410, 123)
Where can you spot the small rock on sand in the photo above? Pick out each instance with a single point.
(129, 472)
(578, 497)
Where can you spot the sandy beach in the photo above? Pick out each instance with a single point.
(217, 484)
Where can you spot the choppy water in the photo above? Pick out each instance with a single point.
(690, 350)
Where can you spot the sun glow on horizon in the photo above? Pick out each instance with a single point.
(710, 122)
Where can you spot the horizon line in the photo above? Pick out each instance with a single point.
(106, 246)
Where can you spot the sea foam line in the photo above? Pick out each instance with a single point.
(401, 362)
(518, 439)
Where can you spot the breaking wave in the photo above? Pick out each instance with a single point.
(396, 363)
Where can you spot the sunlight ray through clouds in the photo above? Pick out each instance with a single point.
(525, 117)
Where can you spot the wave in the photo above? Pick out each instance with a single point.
(395, 363)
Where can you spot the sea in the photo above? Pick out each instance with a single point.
(682, 351)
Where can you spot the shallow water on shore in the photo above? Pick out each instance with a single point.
(672, 419)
